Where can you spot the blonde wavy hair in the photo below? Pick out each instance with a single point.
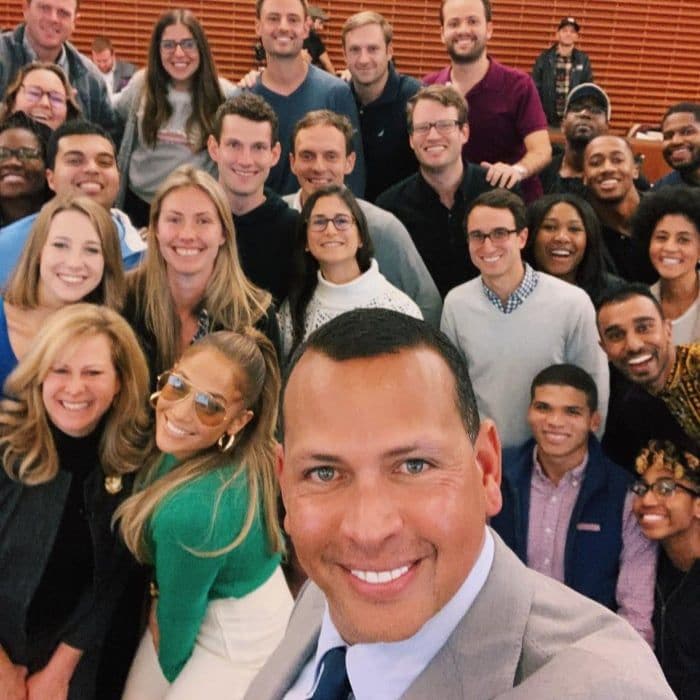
(26, 444)
(23, 286)
(231, 300)
(253, 451)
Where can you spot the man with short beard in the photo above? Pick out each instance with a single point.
(681, 148)
(609, 171)
(508, 126)
(586, 115)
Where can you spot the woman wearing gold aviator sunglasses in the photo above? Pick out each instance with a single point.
(667, 505)
(205, 518)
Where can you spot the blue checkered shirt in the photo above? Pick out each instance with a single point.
(518, 296)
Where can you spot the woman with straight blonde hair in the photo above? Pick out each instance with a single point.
(191, 282)
(72, 254)
(205, 517)
(75, 430)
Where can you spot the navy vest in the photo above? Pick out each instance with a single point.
(592, 555)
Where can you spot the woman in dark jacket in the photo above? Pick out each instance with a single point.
(74, 431)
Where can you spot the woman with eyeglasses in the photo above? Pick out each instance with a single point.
(205, 517)
(23, 189)
(75, 430)
(42, 91)
(667, 224)
(168, 109)
(191, 282)
(333, 269)
(667, 505)
(72, 254)
(565, 241)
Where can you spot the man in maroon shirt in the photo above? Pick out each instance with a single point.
(508, 126)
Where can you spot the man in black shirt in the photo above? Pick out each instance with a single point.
(313, 44)
(432, 203)
(245, 146)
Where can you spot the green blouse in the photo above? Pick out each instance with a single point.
(199, 517)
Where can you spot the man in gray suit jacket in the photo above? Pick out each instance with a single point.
(388, 478)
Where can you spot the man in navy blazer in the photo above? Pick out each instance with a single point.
(388, 477)
(567, 509)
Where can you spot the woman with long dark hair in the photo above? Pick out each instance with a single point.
(169, 110)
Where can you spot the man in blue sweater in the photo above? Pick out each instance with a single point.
(567, 512)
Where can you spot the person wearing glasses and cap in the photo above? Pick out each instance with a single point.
(667, 505)
(559, 69)
(204, 515)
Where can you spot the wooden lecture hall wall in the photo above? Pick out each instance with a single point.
(644, 53)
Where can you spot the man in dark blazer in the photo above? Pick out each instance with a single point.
(388, 478)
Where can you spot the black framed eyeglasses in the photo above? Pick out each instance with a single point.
(341, 222)
(442, 126)
(187, 45)
(497, 235)
(20, 153)
(663, 488)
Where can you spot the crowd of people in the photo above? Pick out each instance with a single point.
(368, 330)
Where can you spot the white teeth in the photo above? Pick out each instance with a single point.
(90, 187)
(491, 259)
(651, 518)
(608, 183)
(670, 261)
(376, 577)
(13, 177)
(71, 279)
(174, 430)
(74, 405)
(561, 253)
(332, 244)
(639, 359)
(186, 252)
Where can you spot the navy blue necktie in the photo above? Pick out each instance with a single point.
(333, 683)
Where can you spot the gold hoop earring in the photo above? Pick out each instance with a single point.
(153, 398)
(225, 447)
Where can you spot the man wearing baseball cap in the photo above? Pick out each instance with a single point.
(314, 43)
(559, 69)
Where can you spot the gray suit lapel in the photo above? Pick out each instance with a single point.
(480, 659)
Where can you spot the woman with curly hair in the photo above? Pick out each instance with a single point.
(72, 435)
(169, 111)
(667, 505)
(565, 241)
(205, 517)
(667, 224)
(42, 91)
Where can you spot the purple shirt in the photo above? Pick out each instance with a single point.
(504, 107)
(551, 507)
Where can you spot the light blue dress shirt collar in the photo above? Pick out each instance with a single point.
(384, 671)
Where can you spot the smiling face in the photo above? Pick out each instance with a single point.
(334, 250)
(437, 152)
(282, 28)
(561, 420)
(385, 496)
(674, 248)
(320, 158)
(20, 177)
(85, 164)
(179, 431)
(500, 263)
(671, 518)
(637, 340)
(465, 31)
(367, 55)
(244, 155)
(81, 385)
(72, 262)
(609, 169)
(189, 232)
(179, 64)
(48, 24)
(560, 242)
(567, 36)
(681, 145)
(52, 107)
